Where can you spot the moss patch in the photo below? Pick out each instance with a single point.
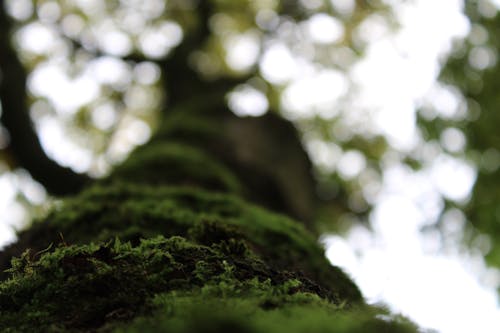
(264, 153)
(179, 164)
(80, 288)
(167, 284)
(176, 258)
(83, 287)
(134, 212)
(245, 312)
(196, 130)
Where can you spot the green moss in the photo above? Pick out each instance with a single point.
(132, 212)
(167, 284)
(77, 288)
(206, 239)
(262, 309)
(264, 153)
(147, 251)
(194, 129)
(179, 164)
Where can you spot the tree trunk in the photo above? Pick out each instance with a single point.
(166, 243)
(182, 238)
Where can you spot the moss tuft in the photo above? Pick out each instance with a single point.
(87, 287)
(176, 164)
(110, 250)
(133, 212)
(261, 309)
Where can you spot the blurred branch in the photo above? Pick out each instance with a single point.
(292, 9)
(181, 80)
(24, 143)
(182, 83)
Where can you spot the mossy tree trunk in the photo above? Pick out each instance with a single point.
(198, 231)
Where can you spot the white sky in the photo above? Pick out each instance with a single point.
(396, 264)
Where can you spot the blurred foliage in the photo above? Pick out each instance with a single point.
(112, 43)
(474, 70)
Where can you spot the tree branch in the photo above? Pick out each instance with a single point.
(24, 143)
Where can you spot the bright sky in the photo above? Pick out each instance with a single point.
(438, 287)
(397, 264)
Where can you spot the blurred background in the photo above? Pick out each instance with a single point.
(396, 103)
